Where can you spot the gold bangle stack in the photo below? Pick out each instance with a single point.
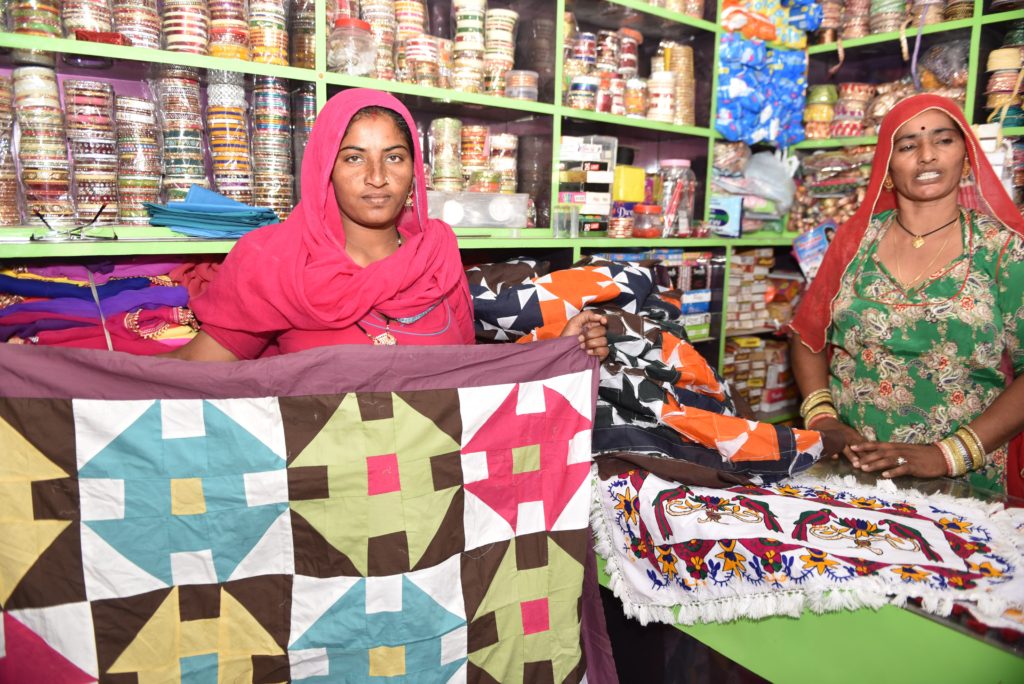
(974, 446)
(822, 411)
(963, 451)
(817, 404)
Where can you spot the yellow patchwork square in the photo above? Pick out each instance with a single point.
(187, 496)
(387, 661)
(525, 459)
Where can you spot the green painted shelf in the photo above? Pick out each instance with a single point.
(631, 122)
(19, 41)
(831, 143)
(440, 94)
(890, 37)
(675, 17)
(998, 17)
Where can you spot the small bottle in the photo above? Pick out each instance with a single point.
(677, 196)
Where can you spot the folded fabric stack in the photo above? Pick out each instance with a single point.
(205, 213)
(133, 306)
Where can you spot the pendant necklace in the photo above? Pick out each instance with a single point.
(384, 339)
(918, 241)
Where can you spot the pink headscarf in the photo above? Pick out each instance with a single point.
(987, 195)
(298, 275)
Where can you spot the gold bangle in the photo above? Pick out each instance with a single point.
(974, 453)
(821, 409)
(814, 398)
(820, 401)
(979, 447)
(809, 422)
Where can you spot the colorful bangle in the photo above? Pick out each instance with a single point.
(975, 445)
(827, 413)
(947, 455)
(956, 455)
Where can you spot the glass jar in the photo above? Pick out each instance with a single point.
(351, 49)
(635, 97)
(647, 221)
(678, 185)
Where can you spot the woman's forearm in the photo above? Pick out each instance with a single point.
(1004, 419)
(810, 369)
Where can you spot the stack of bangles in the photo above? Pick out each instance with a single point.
(818, 404)
(963, 451)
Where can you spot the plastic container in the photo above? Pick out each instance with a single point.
(647, 221)
(350, 48)
(478, 209)
(678, 185)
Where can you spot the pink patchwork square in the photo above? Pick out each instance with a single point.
(535, 616)
(382, 474)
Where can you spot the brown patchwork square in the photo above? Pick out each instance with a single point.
(531, 551)
(199, 601)
(446, 470)
(388, 554)
(306, 483)
(482, 632)
(55, 499)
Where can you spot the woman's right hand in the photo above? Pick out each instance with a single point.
(835, 432)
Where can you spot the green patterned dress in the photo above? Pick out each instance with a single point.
(914, 365)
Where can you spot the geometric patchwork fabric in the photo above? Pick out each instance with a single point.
(376, 485)
(402, 532)
(159, 498)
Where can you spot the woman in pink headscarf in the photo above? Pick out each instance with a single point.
(910, 341)
(353, 264)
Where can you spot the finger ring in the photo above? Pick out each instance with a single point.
(901, 461)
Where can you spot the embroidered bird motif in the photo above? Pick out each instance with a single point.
(768, 518)
(901, 531)
(809, 519)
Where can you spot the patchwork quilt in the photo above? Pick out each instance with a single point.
(344, 514)
(696, 554)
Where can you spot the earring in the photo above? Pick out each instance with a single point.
(967, 170)
(887, 182)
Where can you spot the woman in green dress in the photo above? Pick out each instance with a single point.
(910, 341)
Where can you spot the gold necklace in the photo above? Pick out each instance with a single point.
(925, 271)
(918, 241)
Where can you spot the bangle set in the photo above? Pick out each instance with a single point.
(963, 451)
(816, 405)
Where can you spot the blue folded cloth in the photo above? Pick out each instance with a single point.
(205, 213)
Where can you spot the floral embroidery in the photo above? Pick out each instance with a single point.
(808, 537)
(817, 560)
(911, 573)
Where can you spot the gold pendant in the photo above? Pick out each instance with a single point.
(918, 241)
(385, 339)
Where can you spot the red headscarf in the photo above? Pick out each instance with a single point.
(297, 275)
(986, 194)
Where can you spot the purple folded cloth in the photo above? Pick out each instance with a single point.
(35, 327)
(149, 298)
(104, 271)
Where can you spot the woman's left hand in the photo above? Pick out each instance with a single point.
(894, 459)
(591, 329)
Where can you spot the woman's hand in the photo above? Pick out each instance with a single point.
(839, 430)
(833, 442)
(590, 328)
(895, 460)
